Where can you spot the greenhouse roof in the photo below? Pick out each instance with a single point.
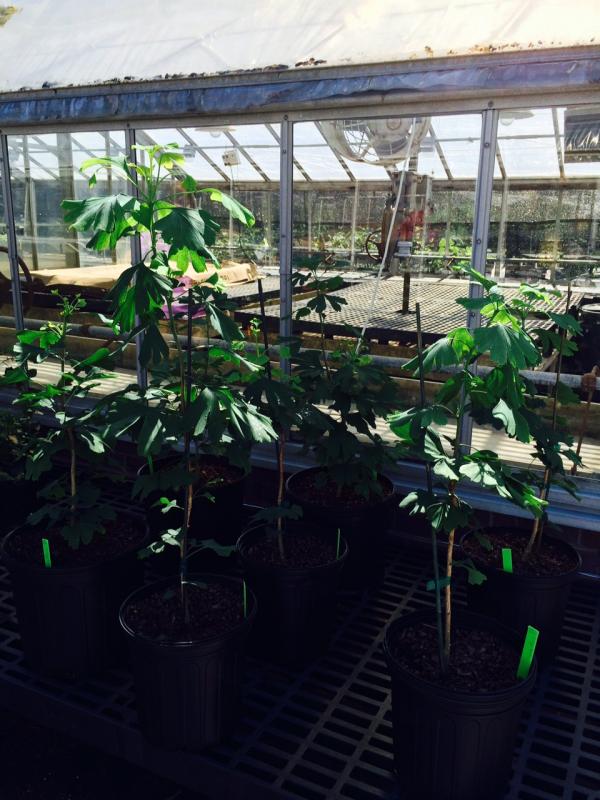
(59, 43)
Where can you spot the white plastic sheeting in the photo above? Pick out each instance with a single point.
(70, 42)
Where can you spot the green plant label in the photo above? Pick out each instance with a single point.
(529, 645)
(46, 552)
(507, 564)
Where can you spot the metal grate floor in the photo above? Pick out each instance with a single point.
(324, 733)
(437, 297)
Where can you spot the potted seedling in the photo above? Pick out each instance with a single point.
(529, 573)
(458, 684)
(346, 393)
(292, 567)
(187, 632)
(74, 560)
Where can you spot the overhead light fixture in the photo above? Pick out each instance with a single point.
(216, 131)
(508, 117)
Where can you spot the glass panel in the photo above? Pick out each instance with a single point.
(347, 225)
(7, 325)
(45, 170)
(544, 231)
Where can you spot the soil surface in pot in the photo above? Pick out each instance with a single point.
(214, 609)
(480, 660)
(550, 559)
(219, 474)
(121, 536)
(300, 550)
(330, 494)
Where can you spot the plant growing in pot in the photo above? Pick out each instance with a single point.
(187, 632)
(456, 692)
(74, 560)
(292, 567)
(529, 574)
(346, 393)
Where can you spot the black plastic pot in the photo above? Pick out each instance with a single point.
(68, 615)
(451, 745)
(363, 527)
(221, 519)
(522, 600)
(188, 693)
(296, 606)
(17, 500)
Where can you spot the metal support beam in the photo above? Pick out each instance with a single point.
(12, 247)
(481, 228)
(286, 197)
(501, 247)
(136, 257)
(353, 230)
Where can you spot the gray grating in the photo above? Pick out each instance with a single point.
(437, 297)
(324, 733)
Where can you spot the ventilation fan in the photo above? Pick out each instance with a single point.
(384, 142)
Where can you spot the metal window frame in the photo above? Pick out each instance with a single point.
(136, 257)
(286, 200)
(12, 244)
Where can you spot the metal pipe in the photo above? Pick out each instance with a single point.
(392, 362)
(136, 257)
(9, 216)
(286, 198)
(353, 231)
(481, 228)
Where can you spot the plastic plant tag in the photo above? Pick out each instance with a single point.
(245, 598)
(46, 552)
(337, 545)
(529, 645)
(507, 564)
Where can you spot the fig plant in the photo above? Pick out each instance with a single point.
(345, 392)
(69, 429)
(194, 395)
(500, 396)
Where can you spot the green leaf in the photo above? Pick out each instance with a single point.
(439, 354)
(150, 432)
(514, 422)
(566, 322)
(154, 348)
(565, 395)
(223, 324)
(94, 358)
(507, 346)
(98, 213)
(237, 210)
(92, 439)
(182, 228)
(189, 184)
(474, 576)
(430, 586)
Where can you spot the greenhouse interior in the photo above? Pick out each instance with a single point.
(300, 387)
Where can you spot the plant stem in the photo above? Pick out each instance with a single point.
(189, 491)
(73, 472)
(535, 539)
(434, 549)
(280, 464)
(448, 600)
